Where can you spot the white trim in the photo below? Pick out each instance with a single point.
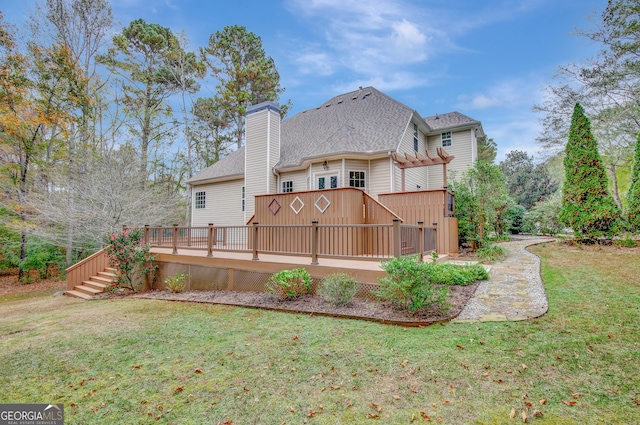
(344, 183)
(474, 146)
(391, 175)
(268, 152)
(369, 174)
(348, 179)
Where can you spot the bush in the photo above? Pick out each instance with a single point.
(516, 213)
(129, 254)
(177, 283)
(450, 274)
(338, 288)
(289, 284)
(44, 258)
(408, 287)
(491, 253)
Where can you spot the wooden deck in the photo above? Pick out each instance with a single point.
(238, 271)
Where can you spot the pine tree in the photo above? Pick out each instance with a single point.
(587, 206)
(633, 196)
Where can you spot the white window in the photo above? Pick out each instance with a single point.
(415, 137)
(201, 198)
(446, 139)
(243, 198)
(356, 179)
(287, 186)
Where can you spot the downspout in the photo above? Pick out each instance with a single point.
(391, 171)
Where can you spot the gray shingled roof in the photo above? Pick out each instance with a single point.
(449, 120)
(364, 120)
(227, 166)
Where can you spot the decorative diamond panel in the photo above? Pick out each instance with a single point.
(297, 205)
(274, 207)
(322, 203)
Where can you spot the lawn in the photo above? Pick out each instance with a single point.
(134, 361)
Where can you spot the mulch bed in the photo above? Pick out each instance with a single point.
(362, 309)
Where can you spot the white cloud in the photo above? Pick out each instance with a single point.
(314, 63)
(509, 93)
(371, 38)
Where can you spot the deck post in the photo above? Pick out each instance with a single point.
(397, 243)
(146, 234)
(175, 239)
(255, 241)
(210, 241)
(421, 240)
(435, 236)
(314, 242)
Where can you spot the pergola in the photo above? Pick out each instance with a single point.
(404, 161)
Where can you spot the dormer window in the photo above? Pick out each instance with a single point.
(446, 139)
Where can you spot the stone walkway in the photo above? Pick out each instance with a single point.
(514, 290)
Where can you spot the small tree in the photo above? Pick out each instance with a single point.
(481, 203)
(129, 254)
(587, 207)
(633, 196)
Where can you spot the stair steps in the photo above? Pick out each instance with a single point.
(94, 285)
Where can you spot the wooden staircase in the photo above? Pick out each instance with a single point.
(94, 285)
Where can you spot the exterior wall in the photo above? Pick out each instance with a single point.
(414, 177)
(223, 204)
(333, 167)
(299, 179)
(262, 152)
(379, 178)
(462, 147)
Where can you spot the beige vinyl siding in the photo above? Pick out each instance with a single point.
(299, 179)
(274, 151)
(413, 176)
(259, 178)
(356, 165)
(223, 204)
(334, 167)
(461, 147)
(379, 178)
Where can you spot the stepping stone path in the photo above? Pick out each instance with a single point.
(514, 290)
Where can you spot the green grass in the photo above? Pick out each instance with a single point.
(124, 360)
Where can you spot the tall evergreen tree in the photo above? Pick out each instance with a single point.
(587, 207)
(633, 196)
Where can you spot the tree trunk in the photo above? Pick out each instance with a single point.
(614, 180)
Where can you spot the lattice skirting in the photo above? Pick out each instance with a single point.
(204, 278)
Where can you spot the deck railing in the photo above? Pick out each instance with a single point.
(357, 241)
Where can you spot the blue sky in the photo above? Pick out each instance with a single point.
(488, 59)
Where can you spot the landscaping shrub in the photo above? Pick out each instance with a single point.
(338, 288)
(289, 284)
(450, 274)
(129, 254)
(177, 283)
(408, 287)
(491, 253)
(515, 214)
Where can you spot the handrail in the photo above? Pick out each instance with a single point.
(84, 261)
(358, 241)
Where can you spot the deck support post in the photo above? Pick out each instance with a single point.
(435, 236)
(397, 243)
(421, 240)
(210, 240)
(146, 234)
(255, 241)
(314, 242)
(175, 239)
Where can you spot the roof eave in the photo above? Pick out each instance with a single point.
(216, 179)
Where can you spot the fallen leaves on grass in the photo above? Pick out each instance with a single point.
(569, 403)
